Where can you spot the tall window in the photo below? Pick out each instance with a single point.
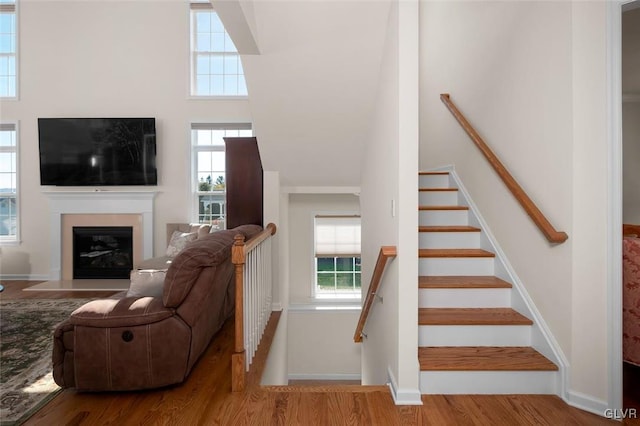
(8, 43)
(8, 183)
(216, 68)
(209, 169)
(337, 257)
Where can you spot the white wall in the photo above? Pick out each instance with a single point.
(390, 178)
(530, 77)
(321, 346)
(105, 58)
(302, 211)
(313, 85)
(589, 323)
(320, 342)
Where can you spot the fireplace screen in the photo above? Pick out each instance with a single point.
(102, 252)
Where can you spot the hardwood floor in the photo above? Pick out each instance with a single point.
(631, 389)
(206, 399)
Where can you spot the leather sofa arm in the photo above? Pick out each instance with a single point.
(125, 312)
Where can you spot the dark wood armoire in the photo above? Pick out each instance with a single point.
(244, 180)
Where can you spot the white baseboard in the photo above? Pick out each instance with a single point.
(324, 377)
(403, 396)
(586, 403)
(24, 277)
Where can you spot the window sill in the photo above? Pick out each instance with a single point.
(323, 307)
(218, 98)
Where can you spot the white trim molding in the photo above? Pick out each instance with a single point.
(402, 396)
(614, 201)
(587, 403)
(97, 202)
(324, 377)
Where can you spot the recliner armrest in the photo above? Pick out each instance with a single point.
(125, 312)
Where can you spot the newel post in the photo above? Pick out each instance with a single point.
(238, 357)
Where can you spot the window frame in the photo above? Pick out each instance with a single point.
(13, 7)
(316, 295)
(194, 7)
(15, 238)
(195, 150)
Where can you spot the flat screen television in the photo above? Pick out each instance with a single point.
(97, 151)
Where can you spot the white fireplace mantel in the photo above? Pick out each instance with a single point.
(98, 202)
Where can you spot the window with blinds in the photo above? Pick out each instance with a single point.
(337, 257)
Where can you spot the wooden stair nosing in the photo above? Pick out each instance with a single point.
(438, 189)
(455, 253)
(443, 208)
(471, 316)
(448, 228)
(483, 358)
(462, 281)
(432, 173)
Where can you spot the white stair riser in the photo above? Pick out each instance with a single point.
(443, 217)
(474, 335)
(488, 382)
(434, 181)
(464, 298)
(438, 198)
(456, 266)
(449, 240)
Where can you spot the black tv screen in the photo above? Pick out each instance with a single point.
(97, 151)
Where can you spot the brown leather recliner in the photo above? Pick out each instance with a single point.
(131, 343)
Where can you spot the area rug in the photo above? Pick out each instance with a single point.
(26, 342)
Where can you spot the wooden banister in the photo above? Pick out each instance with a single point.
(386, 252)
(239, 251)
(527, 204)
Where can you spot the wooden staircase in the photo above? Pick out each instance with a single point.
(471, 339)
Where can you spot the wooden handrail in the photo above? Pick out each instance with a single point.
(527, 204)
(239, 251)
(257, 239)
(386, 252)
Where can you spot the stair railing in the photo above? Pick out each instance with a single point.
(386, 253)
(252, 260)
(527, 204)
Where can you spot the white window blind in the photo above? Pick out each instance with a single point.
(337, 236)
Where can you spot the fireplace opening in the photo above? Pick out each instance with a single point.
(102, 252)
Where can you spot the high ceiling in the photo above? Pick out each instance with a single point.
(313, 85)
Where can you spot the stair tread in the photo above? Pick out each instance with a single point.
(460, 281)
(448, 228)
(443, 208)
(454, 253)
(471, 316)
(484, 358)
(432, 173)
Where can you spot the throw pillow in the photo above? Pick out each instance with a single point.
(200, 229)
(147, 282)
(178, 242)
